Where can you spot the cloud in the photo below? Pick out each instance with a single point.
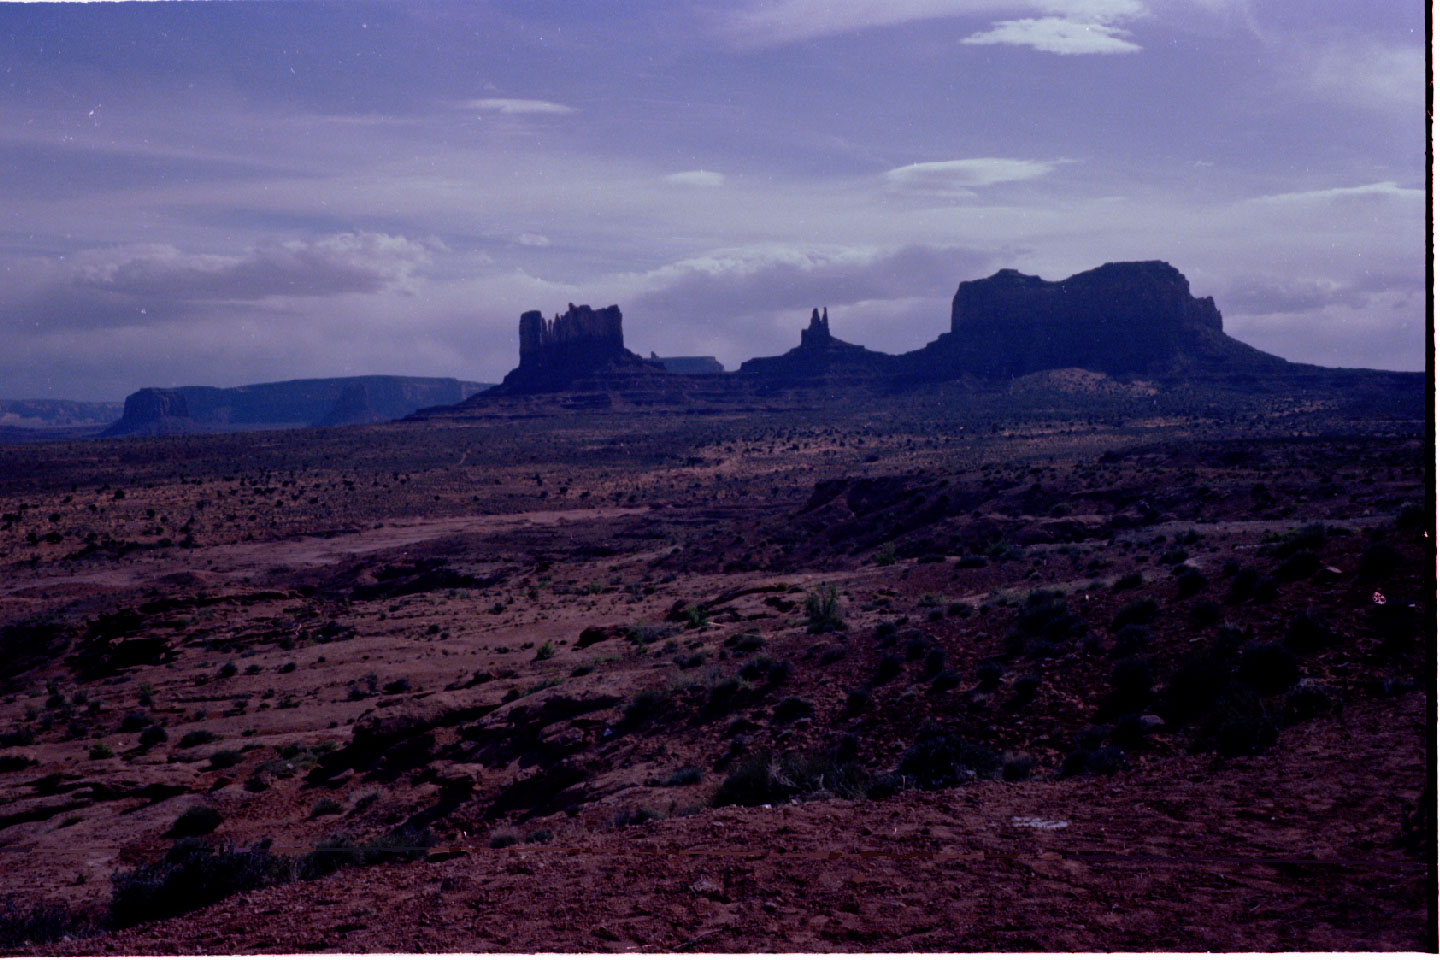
(320, 267)
(957, 177)
(697, 178)
(1367, 193)
(1367, 74)
(751, 281)
(1056, 35)
(512, 107)
(533, 240)
(144, 284)
(775, 22)
(1261, 296)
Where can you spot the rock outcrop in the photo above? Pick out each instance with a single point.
(821, 356)
(689, 366)
(333, 401)
(1119, 319)
(573, 346)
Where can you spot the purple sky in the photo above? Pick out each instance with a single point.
(230, 193)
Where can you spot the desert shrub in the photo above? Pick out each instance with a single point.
(153, 735)
(1174, 555)
(24, 921)
(1130, 681)
(1307, 538)
(544, 652)
(134, 722)
(325, 808)
(196, 822)
(288, 666)
(197, 738)
(684, 777)
(885, 556)
(633, 817)
(539, 836)
(645, 705)
(1308, 631)
(1190, 582)
(822, 610)
(857, 701)
(1298, 565)
(792, 708)
(1016, 766)
(192, 875)
(970, 561)
(224, 759)
(888, 669)
(101, 751)
(1129, 581)
(11, 763)
(1140, 611)
(1193, 687)
(1251, 584)
(689, 661)
(1130, 640)
(1309, 699)
(400, 685)
(1098, 760)
(1044, 613)
(1237, 724)
(1205, 613)
(228, 670)
(1268, 667)
(847, 749)
(940, 760)
(1379, 560)
(766, 778)
(504, 837)
(19, 737)
(885, 631)
(988, 675)
(589, 637)
(916, 647)
(1025, 688)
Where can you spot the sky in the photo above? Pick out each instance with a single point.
(237, 192)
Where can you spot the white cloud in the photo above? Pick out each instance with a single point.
(956, 177)
(1367, 74)
(511, 107)
(773, 22)
(533, 240)
(1370, 192)
(1056, 35)
(697, 178)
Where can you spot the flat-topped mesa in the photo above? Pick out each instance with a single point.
(1120, 318)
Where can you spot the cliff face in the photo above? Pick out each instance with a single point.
(291, 403)
(1120, 318)
(573, 346)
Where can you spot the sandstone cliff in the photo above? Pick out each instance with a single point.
(820, 356)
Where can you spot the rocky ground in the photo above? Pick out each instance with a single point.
(1039, 674)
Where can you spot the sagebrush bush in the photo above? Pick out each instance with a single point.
(192, 875)
(940, 760)
(767, 778)
(822, 610)
(1141, 611)
(1268, 667)
(1308, 631)
(196, 822)
(1237, 724)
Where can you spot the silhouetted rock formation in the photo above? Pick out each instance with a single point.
(580, 343)
(1120, 319)
(154, 411)
(820, 356)
(291, 403)
(689, 366)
